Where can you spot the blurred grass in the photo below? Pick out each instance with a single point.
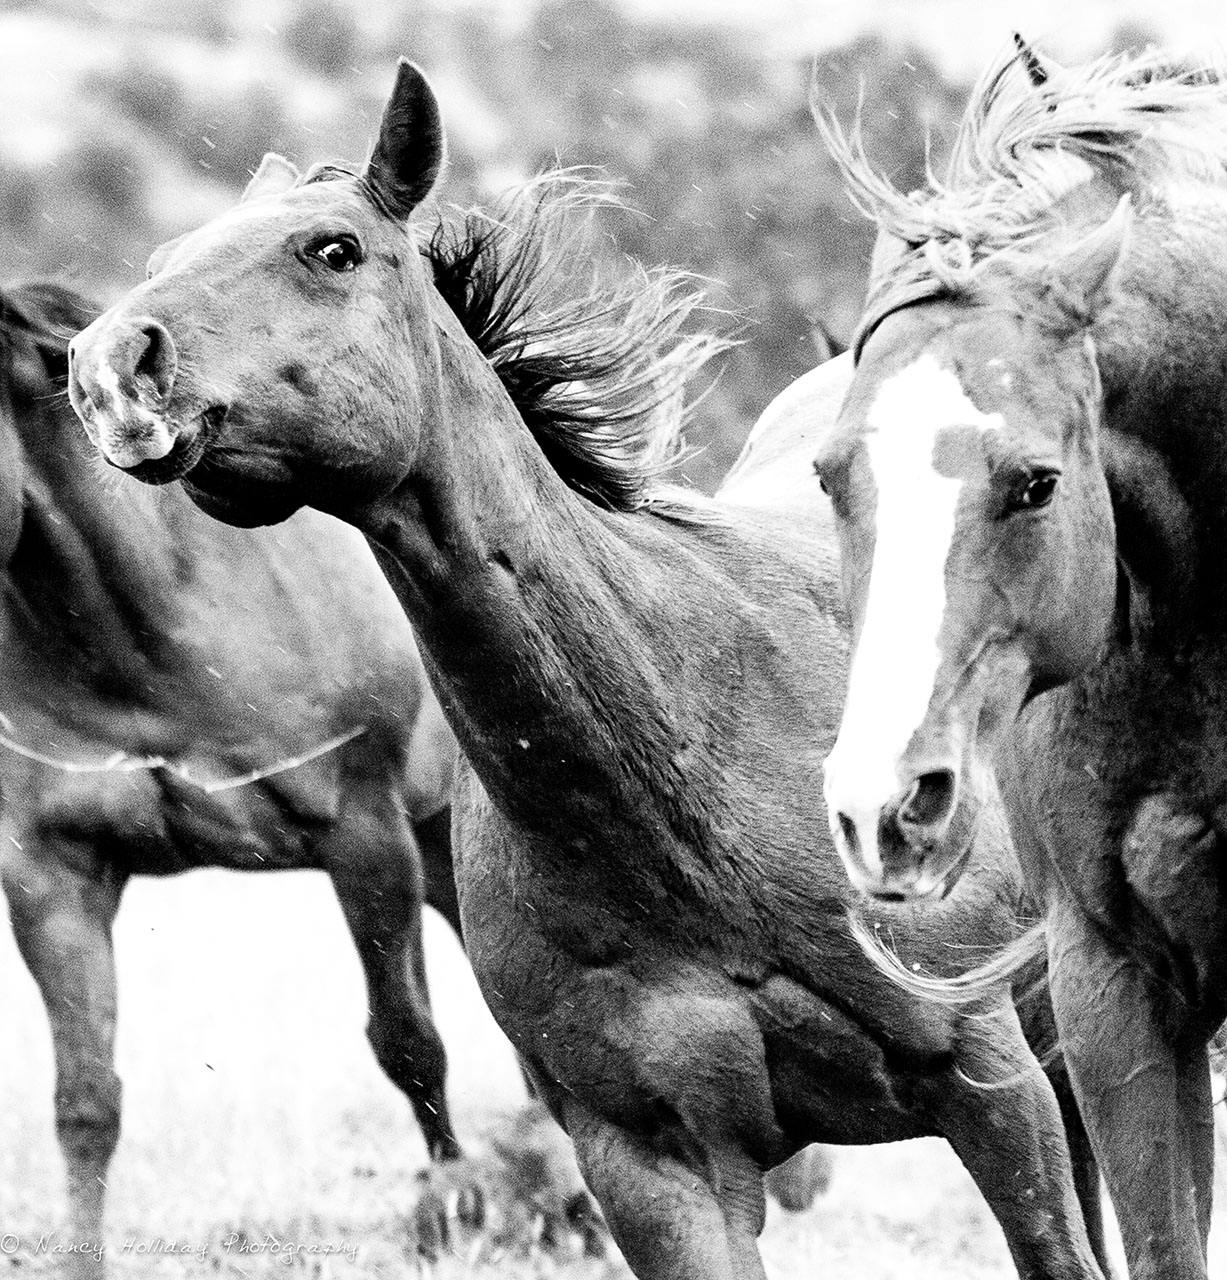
(254, 1112)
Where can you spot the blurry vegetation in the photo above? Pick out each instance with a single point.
(323, 37)
(708, 136)
(224, 133)
(110, 171)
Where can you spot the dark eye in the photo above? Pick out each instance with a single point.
(337, 253)
(821, 465)
(1038, 491)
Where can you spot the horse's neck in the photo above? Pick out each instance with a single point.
(1165, 423)
(549, 626)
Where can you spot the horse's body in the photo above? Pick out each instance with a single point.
(642, 690)
(177, 694)
(1045, 352)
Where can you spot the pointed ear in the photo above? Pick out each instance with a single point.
(410, 152)
(274, 175)
(1040, 71)
(1087, 273)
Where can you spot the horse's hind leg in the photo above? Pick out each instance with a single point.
(998, 1111)
(62, 905)
(374, 864)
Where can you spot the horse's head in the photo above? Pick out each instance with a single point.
(977, 541)
(277, 327)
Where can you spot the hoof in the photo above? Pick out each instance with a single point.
(544, 1180)
(450, 1206)
(521, 1199)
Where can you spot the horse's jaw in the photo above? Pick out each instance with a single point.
(221, 492)
(241, 514)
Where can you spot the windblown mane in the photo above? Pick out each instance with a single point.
(595, 359)
(1028, 139)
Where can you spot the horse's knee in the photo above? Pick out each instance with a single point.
(87, 1117)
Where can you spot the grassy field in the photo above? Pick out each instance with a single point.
(261, 1138)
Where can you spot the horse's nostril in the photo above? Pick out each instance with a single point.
(847, 829)
(930, 799)
(157, 359)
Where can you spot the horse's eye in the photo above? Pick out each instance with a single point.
(337, 253)
(1038, 491)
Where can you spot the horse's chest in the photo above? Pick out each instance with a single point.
(1122, 783)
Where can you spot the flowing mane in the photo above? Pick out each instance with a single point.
(1029, 139)
(595, 359)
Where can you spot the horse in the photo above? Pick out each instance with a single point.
(178, 694)
(640, 680)
(78, 719)
(1027, 480)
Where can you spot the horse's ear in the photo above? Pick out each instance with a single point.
(273, 175)
(1043, 72)
(409, 154)
(1090, 269)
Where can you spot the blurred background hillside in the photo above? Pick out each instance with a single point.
(124, 123)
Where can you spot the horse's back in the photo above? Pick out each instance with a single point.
(775, 472)
(298, 616)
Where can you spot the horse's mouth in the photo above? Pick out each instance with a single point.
(186, 452)
(924, 887)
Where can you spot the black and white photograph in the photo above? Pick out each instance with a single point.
(613, 640)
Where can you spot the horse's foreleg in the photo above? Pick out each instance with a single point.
(672, 1221)
(375, 869)
(1085, 1166)
(1145, 1099)
(62, 916)
(801, 1179)
(999, 1114)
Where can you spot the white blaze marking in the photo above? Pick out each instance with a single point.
(897, 659)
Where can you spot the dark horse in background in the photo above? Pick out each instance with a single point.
(177, 694)
(1029, 477)
(642, 685)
